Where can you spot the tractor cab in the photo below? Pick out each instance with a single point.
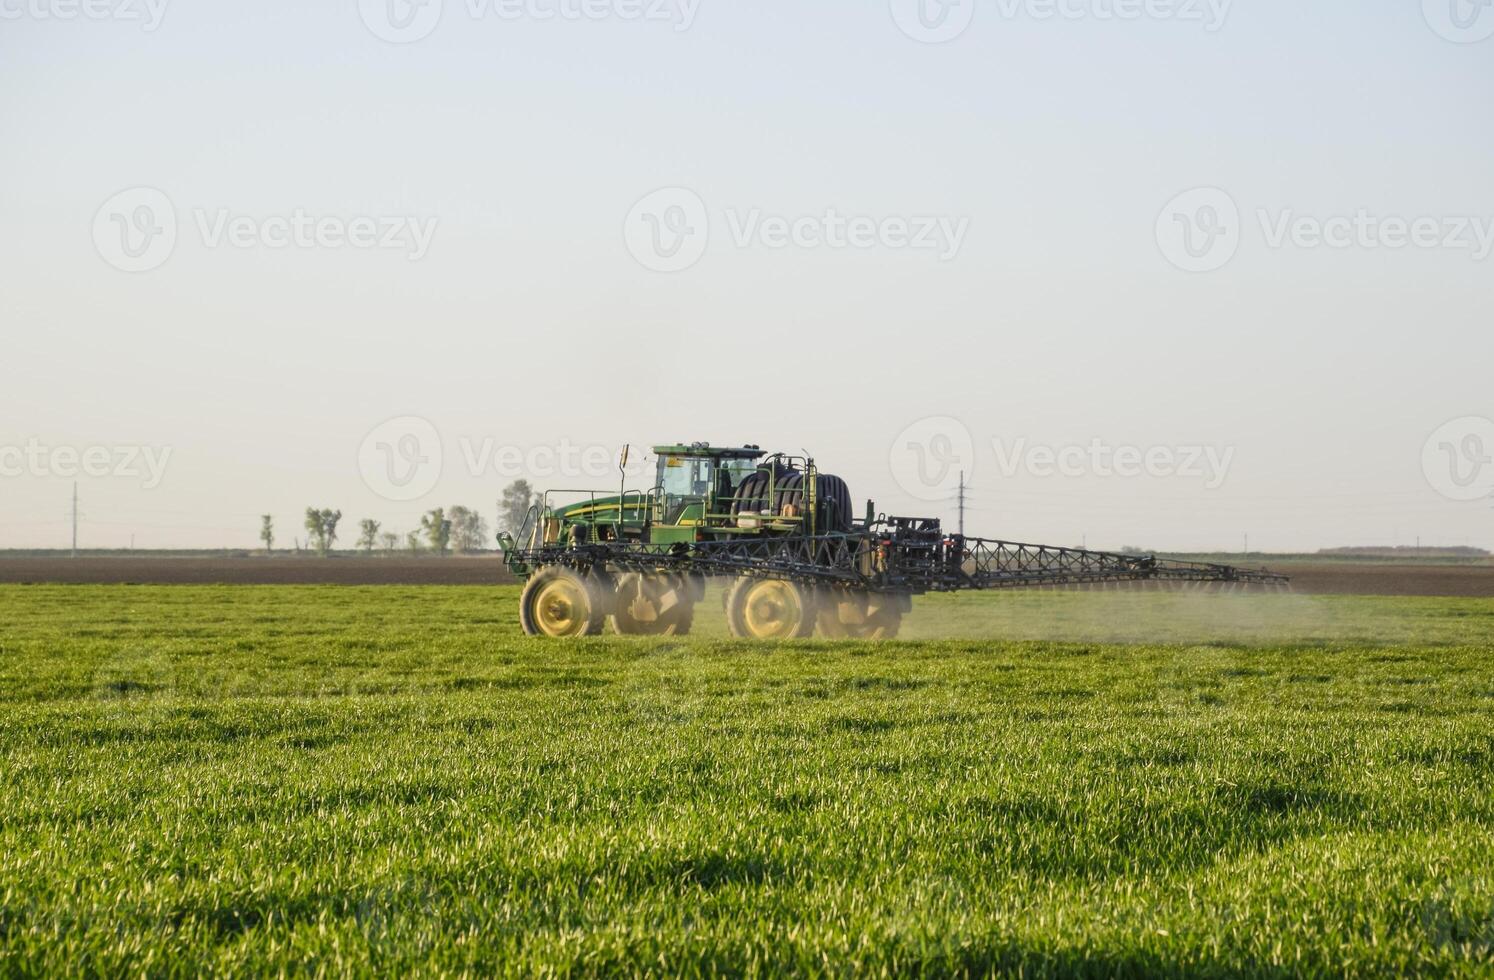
(700, 493)
(695, 487)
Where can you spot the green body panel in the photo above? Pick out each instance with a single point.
(640, 520)
(671, 534)
(604, 511)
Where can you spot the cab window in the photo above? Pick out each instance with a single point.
(684, 480)
(733, 472)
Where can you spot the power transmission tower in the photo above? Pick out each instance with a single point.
(962, 503)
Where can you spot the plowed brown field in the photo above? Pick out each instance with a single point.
(1309, 578)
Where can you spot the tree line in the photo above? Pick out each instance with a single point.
(442, 531)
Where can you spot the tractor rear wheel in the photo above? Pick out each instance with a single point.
(559, 602)
(769, 609)
(854, 614)
(651, 605)
(883, 624)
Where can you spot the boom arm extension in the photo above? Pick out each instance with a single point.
(894, 555)
(990, 564)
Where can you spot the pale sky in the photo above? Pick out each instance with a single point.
(1021, 189)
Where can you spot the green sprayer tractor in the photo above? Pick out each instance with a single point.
(785, 538)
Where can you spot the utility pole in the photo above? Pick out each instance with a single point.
(962, 503)
(75, 519)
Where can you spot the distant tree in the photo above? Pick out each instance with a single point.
(389, 541)
(313, 524)
(370, 535)
(514, 504)
(469, 531)
(412, 541)
(267, 532)
(322, 527)
(437, 530)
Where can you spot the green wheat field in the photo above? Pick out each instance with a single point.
(391, 780)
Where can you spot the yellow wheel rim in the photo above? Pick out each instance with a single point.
(772, 609)
(562, 608)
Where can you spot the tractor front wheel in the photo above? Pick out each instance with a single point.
(769, 609)
(558, 602)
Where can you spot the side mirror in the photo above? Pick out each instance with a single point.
(622, 461)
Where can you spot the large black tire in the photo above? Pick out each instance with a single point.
(559, 602)
(635, 604)
(844, 614)
(756, 494)
(752, 494)
(770, 609)
(834, 499)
